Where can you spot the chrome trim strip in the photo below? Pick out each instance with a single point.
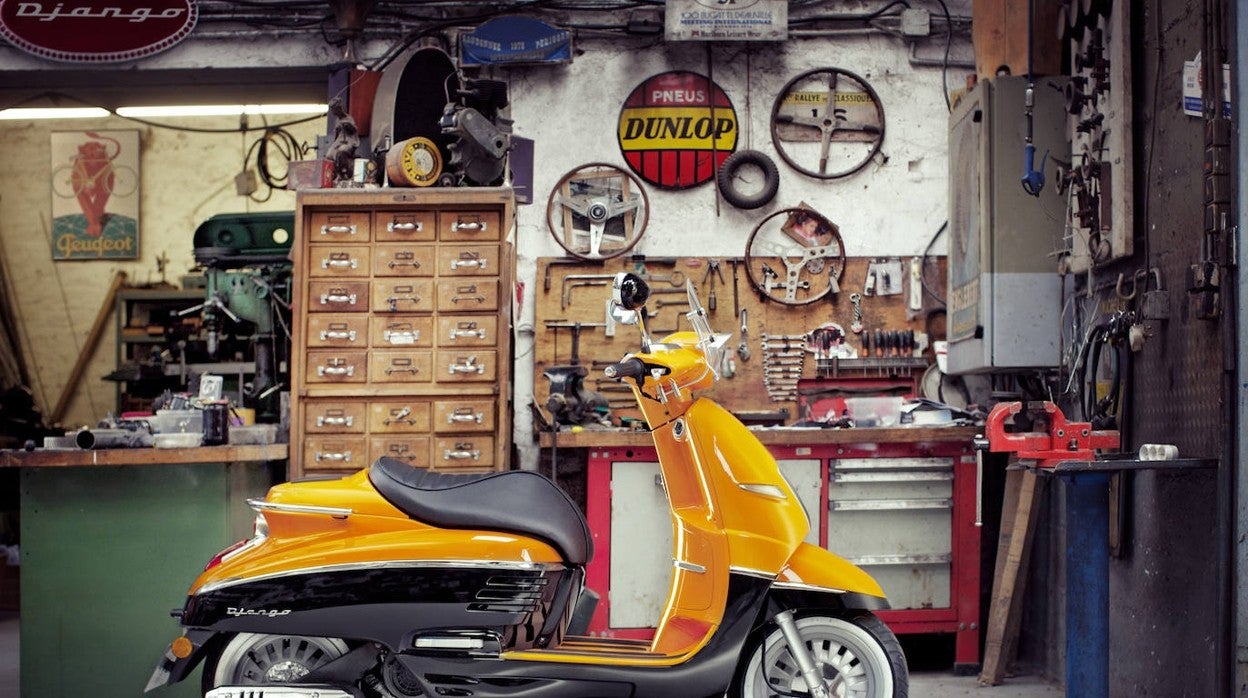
(689, 566)
(262, 505)
(751, 573)
(763, 489)
(382, 565)
(801, 586)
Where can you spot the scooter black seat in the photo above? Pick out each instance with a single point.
(518, 501)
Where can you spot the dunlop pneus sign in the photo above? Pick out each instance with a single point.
(676, 129)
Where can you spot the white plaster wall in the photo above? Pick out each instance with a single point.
(570, 111)
(885, 209)
(184, 179)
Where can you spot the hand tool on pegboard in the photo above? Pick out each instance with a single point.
(712, 271)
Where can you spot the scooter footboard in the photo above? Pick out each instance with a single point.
(814, 577)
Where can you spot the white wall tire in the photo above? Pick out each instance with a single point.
(858, 656)
(253, 659)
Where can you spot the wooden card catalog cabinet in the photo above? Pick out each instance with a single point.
(401, 337)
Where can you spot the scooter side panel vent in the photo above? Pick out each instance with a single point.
(510, 594)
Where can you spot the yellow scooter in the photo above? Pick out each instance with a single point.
(398, 582)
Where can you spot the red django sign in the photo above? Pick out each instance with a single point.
(676, 129)
(96, 31)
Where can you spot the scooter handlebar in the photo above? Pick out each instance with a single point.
(628, 368)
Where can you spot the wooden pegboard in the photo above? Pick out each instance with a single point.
(567, 294)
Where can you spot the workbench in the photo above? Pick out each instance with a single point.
(111, 541)
(901, 502)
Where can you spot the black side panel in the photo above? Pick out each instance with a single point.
(385, 605)
(706, 675)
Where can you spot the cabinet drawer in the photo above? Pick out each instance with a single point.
(412, 450)
(467, 331)
(400, 366)
(405, 225)
(337, 296)
(395, 331)
(467, 366)
(398, 416)
(334, 418)
(463, 415)
(465, 226)
(338, 261)
(402, 295)
(334, 453)
(457, 295)
(463, 451)
(468, 260)
(339, 226)
(337, 330)
(335, 366)
(399, 259)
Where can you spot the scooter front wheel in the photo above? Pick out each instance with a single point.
(857, 655)
(253, 659)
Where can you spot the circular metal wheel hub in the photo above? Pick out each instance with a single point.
(252, 659)
(851, 661)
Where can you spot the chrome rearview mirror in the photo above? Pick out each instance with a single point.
(629, 293)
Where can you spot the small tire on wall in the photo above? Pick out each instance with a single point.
(729, 179)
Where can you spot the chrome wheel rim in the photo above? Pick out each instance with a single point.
(252, 659)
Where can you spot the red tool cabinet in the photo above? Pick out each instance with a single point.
(900, 502)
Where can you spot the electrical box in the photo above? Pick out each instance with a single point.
(1004, 302)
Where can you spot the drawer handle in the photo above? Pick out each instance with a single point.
(461, 332)
(405, 227)
(404, 259)
(463, 415)
(340, 262)
(400, 452)
(478, 299)
(408, 369)
(393, 301)
(470, 365)
(471, 226)
(470, 261)
(335, 421)
(337, 229)
(400, 417)
(462, 451)
(348, 335)
(335, 370)
(401, 336)
(338, 295)
(340, 457)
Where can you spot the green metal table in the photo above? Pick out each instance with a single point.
(111, 541)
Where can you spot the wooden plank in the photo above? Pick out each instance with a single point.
(1018, 515)
(999, 33)
(43, 458)
(88, 348)
(788, 436)
(745, 391)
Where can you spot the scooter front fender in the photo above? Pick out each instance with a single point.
(180, 658)
(813, 570)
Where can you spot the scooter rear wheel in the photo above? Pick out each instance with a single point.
(858, 656)
(252, 659)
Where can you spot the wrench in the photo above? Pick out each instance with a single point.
(856, 325)
(743, 350)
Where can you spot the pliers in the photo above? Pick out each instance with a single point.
(712, 271)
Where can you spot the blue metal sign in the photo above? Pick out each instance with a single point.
(515, 41)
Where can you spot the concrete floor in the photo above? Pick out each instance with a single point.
(923, 684)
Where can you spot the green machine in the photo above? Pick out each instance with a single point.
(246, 261)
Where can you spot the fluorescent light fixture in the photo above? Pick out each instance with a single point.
(36, 113)
(30, 114)
(223, 110)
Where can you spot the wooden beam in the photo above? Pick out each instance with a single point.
(84, 356)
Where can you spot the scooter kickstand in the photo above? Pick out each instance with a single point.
(801, 654)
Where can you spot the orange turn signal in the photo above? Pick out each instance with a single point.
(181, 648)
